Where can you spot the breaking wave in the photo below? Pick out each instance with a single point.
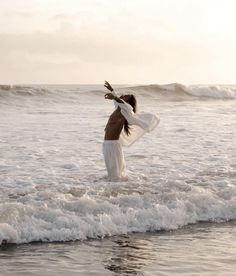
(50, 216)
(167, 92)
(177, 91)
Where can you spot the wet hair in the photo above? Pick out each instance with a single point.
(133, 102)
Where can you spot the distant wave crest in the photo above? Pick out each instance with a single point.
(11, 90)
(174, 91)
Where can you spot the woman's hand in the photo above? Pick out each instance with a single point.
(109, 96)
(108, 86)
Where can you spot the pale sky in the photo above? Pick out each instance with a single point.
(123, 41)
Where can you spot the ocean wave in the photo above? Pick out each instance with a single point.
(174, 91)
(64, 217)
(212, 92)
(18, 90)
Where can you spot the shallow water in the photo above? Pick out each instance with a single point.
(203, 249)
(53, 186)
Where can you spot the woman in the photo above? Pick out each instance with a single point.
(123, 128)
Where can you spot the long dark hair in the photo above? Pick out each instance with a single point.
(133, 102)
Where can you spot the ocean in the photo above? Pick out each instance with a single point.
(176, 213)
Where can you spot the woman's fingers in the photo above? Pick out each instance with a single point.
(107, 85)
(108, 96)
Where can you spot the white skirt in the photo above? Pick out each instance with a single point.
(114, 159)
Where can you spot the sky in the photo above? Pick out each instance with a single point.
(122, 41)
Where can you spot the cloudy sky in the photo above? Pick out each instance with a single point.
(123, 41)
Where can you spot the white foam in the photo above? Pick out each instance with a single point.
(69, 218)
(212, 92)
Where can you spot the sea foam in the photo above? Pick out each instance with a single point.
(65, 217)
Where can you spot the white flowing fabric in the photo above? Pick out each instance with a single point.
(140, 123)
(114, 160)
